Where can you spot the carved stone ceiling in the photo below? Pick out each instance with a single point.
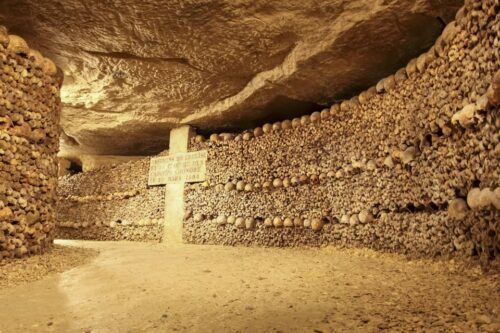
(134, 69)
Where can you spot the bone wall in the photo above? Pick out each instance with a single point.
(410, 165)
(29, 139)
(111, 203)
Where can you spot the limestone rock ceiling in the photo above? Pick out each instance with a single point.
(136, 68)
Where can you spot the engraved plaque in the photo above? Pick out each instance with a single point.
(178, 168)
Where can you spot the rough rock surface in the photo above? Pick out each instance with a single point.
(91, 162)
(135, 69)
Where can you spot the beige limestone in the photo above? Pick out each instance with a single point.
(174, 193)
(136, 70)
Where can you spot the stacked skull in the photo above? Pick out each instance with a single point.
(29, 140)
(383, 169)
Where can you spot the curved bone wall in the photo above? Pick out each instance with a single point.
(29, 140)
(410, 165)
(111, 203)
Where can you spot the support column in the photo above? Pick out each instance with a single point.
(174, 193)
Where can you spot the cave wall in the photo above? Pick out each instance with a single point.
(29, 139)
(111, 203)
(410, 166)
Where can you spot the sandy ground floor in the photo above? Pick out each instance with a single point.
(136, 287)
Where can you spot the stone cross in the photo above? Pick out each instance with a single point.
(174, 171)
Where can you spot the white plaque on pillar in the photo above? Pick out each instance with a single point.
(178, 168)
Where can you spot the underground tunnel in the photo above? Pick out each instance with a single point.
(249, 166)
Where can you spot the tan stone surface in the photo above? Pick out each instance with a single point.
(63, 166)
(135, 69)
(174, 193)
(134, 287)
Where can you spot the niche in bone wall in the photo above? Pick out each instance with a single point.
(410, 165)
(111, 203)
(29, 138)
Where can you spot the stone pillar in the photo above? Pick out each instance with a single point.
(174, 193)
(63, 167)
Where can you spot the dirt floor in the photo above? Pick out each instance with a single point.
(137, 287)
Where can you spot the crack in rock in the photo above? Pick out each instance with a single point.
(130, 56)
